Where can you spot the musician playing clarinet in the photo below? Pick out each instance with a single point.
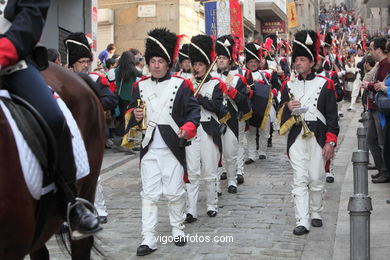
(311, 98)
(204, 152)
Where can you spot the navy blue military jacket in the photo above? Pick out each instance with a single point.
(22, 22)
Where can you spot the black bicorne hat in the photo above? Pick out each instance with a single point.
(306, 43)
(184, 52)
(328, 39)
(224, 46)
(77, 47)
(252, 51)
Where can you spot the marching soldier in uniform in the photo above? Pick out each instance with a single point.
(270, 50)
(259, 122)
(283, 48)
(204, 152)
(238, 107)
(332, 62)
(165, 105)
(339, 92)
(185, 62)
(308, 112)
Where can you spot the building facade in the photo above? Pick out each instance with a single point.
(126, 23)
(271, 18)
(65, 17)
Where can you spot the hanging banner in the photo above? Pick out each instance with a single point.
(210, 10)
(273, 27)
(224, 17)
(292, 15)
(236, 25)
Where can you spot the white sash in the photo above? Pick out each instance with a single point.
(159, 104)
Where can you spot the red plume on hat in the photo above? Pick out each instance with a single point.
(268, 44)
(176, 51)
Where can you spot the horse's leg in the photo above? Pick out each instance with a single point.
(40, 254)
(81, 249)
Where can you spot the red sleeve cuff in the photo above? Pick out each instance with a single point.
(232, 92)
(250, 94)
(190, 129)
(8, 54)
(331, 137)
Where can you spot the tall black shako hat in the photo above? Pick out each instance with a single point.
(77, 47)
(252, 51)
(306, 43)
(201, 49)
(184, 52)
(224, 46)
(160, 42)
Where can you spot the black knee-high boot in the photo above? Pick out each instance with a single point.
(80, 217)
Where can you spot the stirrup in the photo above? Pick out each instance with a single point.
(75, 234)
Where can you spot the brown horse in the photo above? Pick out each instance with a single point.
(17, 207)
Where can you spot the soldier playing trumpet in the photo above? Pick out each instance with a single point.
(315, 94)
(172, 114)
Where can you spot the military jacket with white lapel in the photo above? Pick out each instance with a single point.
(236, 98)
(317, 93)
(170, 105)
(211, 98)
(332, 75)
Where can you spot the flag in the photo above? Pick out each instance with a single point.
(224, 17)
(292, 15)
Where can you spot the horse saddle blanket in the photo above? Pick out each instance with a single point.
(31, 167)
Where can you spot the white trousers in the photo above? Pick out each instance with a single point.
(229, 152)
(100, 204)
(309, 179)
(263, 141)
(355, 91)
(241, 147)
(202, 156)
(161, 174)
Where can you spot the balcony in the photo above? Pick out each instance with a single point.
(271, 10)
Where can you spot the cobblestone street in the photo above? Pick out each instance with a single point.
(260, 217)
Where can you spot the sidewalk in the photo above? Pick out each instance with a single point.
(380, 215)
(113, 159)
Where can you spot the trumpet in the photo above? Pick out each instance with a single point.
(306, 131)
(143, 125)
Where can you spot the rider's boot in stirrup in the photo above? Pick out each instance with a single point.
(82, 222)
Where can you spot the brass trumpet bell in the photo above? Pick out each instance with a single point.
(143, 125)
(306, 131)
